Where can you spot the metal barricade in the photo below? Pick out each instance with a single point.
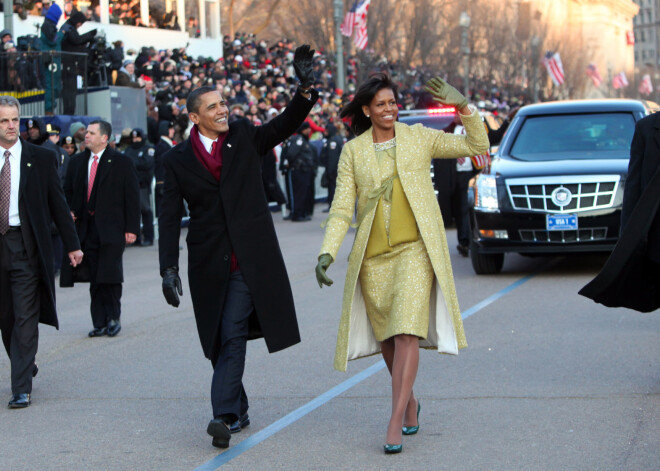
(50, 82)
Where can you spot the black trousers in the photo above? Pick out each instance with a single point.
(69, 88)
(19, 309)
(228, 396)
(300, 182)
(105, 297)
(459, 207)
(147, 215)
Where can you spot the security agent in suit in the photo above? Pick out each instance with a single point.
(142, 155)
(30, 198)
(238, 282)
(101, 187)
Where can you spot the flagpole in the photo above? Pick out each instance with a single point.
(339, 40)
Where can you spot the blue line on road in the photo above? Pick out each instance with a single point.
(315, 403)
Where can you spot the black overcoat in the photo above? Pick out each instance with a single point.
(117, 208)
(40, 202)
(630, 276)
(231, 215)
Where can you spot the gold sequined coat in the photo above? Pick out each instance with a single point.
(357, 177)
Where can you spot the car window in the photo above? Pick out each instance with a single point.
(580, 136)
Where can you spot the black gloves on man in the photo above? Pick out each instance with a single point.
(302, 64)
(172, 286)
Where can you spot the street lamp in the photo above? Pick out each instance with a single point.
(535, 43)
(339, 41)
(464, 23)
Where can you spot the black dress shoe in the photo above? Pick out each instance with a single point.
(147, 243)
(463, 250)
(113, 328)
(19, 401)
(98, 332)
(240, 424)
(287, 217)
(219, 430)
(35, 370)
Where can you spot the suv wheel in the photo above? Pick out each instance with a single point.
(485, 263)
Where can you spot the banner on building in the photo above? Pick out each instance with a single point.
(594, 75)
(620, 80)
(645, 86)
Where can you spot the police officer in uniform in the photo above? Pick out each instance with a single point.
(300, 160)
(142, 154)
(332, 146)
(166, 133)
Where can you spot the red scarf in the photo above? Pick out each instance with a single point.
(212, 163)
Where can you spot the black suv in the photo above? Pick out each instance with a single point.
(556, 182)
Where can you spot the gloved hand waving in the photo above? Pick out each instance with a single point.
(302, 64)
(172, 286)
(324, 262)
(445, 94)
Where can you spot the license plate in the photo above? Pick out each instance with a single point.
(562, 222)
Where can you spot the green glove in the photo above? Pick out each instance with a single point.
(445, 94)
(325, 260)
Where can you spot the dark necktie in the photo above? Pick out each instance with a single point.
(92, 176)
(5, 193)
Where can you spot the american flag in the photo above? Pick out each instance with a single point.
(349, 21)
(552, 63)
(620, 80)
(361, 38)
(645, 86)
(592, 72)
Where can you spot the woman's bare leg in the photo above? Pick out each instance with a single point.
(404, 371)
(410, 417)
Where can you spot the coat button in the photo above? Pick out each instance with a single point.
(226, 257)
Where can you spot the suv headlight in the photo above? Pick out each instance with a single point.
(486, 193)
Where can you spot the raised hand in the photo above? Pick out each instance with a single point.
(445, 94)
(302, 64)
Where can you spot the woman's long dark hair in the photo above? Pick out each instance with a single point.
(365, 93)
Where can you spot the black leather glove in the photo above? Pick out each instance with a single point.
(93, 32)
(302, 64)
(325, 260)
(172, 286)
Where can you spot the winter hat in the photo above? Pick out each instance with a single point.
(54, 13)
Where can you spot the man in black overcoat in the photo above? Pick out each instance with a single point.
(31, 198)
(101, 187)
(631, 276)
(238, 281)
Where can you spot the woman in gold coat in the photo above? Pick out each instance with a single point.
(399, 293)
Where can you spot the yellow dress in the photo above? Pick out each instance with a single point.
(396, 285)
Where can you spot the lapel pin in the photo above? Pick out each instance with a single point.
(109, 160)
(228, 145)
(29, 164)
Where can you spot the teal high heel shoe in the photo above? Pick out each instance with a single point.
(392, 449)
(412, 430)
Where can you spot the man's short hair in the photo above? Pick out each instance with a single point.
(194, 100)
(104, 127)
(8, 100)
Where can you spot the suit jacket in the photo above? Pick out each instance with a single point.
(40, 202)
(231, 215)
(630, 276)
(357, 177)
(116, 202)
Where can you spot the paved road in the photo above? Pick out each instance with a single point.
(550, 381)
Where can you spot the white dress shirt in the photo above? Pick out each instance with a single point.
(91, 159)
(15, 162)
(207, 142)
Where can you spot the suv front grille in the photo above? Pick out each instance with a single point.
(562, 237)
(572, 194)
